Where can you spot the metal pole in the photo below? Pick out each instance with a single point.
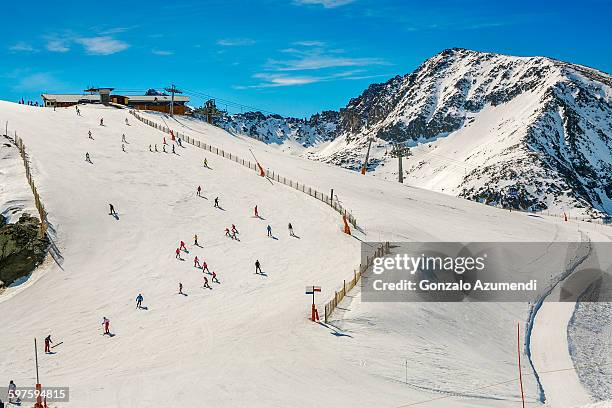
(518, 338)
(400, 171)
(36, 358)
(332, 195)
(172, 102)
(406, 371)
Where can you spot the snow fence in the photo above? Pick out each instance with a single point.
(254, 166)
(357, 273)
(42, 213)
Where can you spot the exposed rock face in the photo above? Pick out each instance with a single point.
(277, 129)
(526, 132)
(21, 248)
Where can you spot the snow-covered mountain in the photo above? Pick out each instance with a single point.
(524, 132)
(277, 129)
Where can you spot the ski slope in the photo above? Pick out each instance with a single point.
(246, 342)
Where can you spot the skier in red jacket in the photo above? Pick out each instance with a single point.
(196, 262)
(105, 324)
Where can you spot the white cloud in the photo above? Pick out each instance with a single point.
(57, 45)
(103, 45)
(311, 62)
(314, 55)
(280, 79)
(324, 3)
(274, 80)
(162, 52)
(232, 42)
(310, 43)
(22, 46)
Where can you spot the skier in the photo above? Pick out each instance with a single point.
(156, 148)
(206, 285)
(123, 138)
(234, 230)
(182, 246)
(195, 240)
(112, 210)
(178, 253)
(257, 267)
(173, 151)
(165, 140)
(48, 344)
(106, 323)
(164, 148)
(256, 213)
(150, 148)
(78, 112)
(139, 300)
(217, 202)
(180, 288)
(269, 230)
(205, 267)
(101, 121)
(12, 392)
(87, 158)
(126, 122)
(214, 277)
(179, 142)
(196, 262)
(205, 162)
(122, 147)
(291, 230)
(227, 233)
(199, 191)
(90, 136)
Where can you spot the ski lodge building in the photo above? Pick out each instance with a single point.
(159, 103)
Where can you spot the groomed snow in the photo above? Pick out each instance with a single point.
(246, 342)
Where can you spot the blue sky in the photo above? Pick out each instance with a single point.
(293, 57)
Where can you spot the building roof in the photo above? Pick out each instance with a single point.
(71, 98)
(99, 89)
(156, 98)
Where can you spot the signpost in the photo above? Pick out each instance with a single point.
(310, 290)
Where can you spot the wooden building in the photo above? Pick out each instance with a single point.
(159, 103)
(64, 100)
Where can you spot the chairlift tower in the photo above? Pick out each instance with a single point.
(400, 151)
(173, 90)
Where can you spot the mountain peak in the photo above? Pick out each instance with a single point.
(529, 124)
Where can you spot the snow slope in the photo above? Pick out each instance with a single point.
(247, 341)
(514, 226)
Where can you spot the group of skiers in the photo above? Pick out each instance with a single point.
(29, 103)
(123, 139)
(232, 233)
